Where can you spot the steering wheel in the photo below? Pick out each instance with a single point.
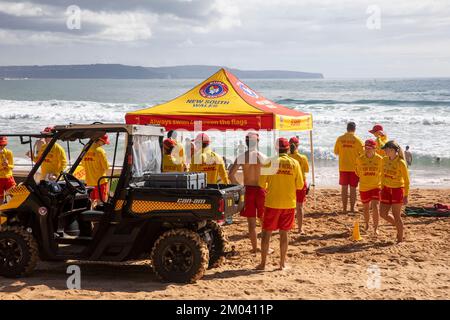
(78, 188)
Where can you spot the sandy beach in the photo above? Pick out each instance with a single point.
(325, 263)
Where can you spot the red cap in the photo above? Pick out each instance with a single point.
(104, 139)
(282, 144)
(370, 144)
(203, 138)
(48, 130)
(169, 143)
(376, 128)
(3, 141)
(294, 140)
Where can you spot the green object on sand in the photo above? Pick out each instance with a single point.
(426, 212)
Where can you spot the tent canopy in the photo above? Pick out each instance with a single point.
(222, 102)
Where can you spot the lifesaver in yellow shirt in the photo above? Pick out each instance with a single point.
(80, 173)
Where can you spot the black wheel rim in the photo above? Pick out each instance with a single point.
(10, 253)
(178, 257)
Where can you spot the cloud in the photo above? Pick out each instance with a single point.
(116, 21)
(24, 9)
(317, 35)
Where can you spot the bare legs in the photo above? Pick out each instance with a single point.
(300, 217)
(344, 195)
(352, 198)
(384, 213)
(264, 248)
(265, 241)
(396, 210)
(372, 205)
(284, 238)
(366, 210)
(375, 216)
(395, 218)
(252, 234)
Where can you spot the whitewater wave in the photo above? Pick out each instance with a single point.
(422, 128)
(34, 115)
(383, 102)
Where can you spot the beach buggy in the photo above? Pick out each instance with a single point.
(169, 218)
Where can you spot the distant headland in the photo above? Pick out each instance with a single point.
(120, 71)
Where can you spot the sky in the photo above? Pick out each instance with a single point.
(339, 38)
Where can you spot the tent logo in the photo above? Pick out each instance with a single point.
(247, 90)
(213, 89)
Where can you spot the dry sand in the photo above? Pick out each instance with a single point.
(325, 263)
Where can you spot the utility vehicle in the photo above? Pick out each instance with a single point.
(176, 227)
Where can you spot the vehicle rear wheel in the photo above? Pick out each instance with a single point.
(18, 252)
(219, 245)
(180, 255)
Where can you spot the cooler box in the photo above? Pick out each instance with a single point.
(181, 180)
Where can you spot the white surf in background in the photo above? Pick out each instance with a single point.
(415, 112)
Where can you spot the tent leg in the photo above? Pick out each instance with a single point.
(313, 177)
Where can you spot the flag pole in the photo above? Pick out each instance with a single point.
(313, 177)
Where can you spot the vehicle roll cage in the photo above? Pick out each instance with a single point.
(69, 133)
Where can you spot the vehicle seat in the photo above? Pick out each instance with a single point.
(91, 215)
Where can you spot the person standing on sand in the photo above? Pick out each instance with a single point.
(96, 165)
(169, 162)
(348, 148)
(368, 168)
(55, 162)
(408, 157)
(179, 154)
(395, 186)
(206, 160)
(6, 166)
(301, 194)
(251, 161)
(281, 178)
(380, 138)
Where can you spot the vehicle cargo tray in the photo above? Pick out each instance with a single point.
(184, 180)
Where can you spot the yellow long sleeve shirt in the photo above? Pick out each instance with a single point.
(282, 177)
(55, 162)
(348, 147)
(381, 141)
(6, 170)
(303, 161)
(395, 174)
(180, 153)
(369, 172)
(212, 164)
(95, 165)
(169, 164)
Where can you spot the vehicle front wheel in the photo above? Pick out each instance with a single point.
(180, 255)
(18, 252)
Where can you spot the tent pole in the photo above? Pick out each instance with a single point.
(313, 177)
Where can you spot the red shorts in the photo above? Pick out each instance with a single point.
(392, 195)
(254, 202)
(301, 194)
(367, 196)
(95, 195)
(348, 178)
(282, 219)
(6, 184)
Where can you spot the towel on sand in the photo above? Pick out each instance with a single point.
(438, 210)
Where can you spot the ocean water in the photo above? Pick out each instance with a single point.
(415, 112)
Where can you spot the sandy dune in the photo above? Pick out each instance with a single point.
(325, 265)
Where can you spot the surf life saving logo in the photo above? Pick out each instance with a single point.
(213, 89)
(247, 90)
